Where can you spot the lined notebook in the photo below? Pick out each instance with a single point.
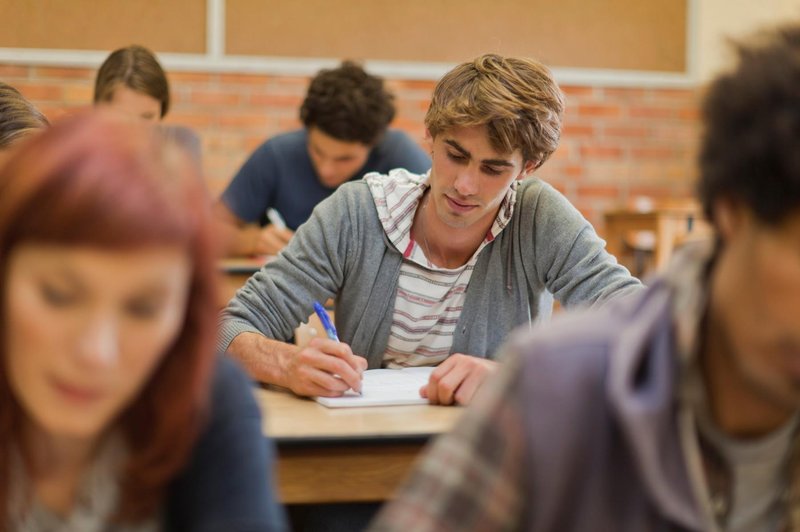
(384, 387)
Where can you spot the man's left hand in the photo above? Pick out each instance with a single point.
(457, 379)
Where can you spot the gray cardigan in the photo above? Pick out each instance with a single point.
(342, 252)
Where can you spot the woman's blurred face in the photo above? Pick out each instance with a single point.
(134, 105)
(85, 329)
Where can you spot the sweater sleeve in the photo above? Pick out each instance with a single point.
(311, 268)
(228, 483)
(571, 259)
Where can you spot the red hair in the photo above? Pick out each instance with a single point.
(91, 181)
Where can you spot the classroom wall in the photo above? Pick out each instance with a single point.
(618, 143)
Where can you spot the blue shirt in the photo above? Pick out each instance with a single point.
(280, 175)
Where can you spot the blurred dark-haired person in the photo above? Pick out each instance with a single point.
(345, 114)
(115, 413)
(678, 408)
(18, 118)
(132, 83)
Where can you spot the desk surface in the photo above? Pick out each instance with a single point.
(237, 265)
(292, 419)
(328, 455)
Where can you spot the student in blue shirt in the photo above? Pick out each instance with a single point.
(345, 115)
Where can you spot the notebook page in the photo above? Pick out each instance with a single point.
(384, 387)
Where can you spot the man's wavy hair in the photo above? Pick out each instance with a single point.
(516, 98)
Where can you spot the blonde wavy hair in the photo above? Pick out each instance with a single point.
(516, 98)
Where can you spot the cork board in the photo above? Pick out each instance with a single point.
(162, 25)
(634, 35)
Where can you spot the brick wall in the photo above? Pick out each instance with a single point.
(617, 143)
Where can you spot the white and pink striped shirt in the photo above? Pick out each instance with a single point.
(429, 299)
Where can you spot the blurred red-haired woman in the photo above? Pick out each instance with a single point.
(114, 411)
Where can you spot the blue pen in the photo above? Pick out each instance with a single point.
(330, 330)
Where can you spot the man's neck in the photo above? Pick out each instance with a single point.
(739, 408)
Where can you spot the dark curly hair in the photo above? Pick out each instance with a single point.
(348, 104)
(750, 151)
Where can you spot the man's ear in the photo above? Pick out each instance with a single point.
(728, 218)
(527, 169)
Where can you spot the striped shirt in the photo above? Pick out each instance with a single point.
(429, 299)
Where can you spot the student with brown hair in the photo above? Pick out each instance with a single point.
(115, 412)
(132, 82)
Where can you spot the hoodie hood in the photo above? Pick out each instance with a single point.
(645, 386)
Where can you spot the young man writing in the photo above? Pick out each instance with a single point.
(678, 408)
(433, 269)
(345, 115)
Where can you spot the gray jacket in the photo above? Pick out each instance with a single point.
(342, 252)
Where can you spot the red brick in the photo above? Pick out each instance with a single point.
(625, 94)
(689, 113)
(673, 94)
(205, 97)
(37, 91)
(578, 130)
(13, 71)
(275, 100)
(78, 93)
(574, 91)
(64, 73)
(245, 79)
(609, 191)
(193, 77)
(653, 152)
(286, 123)
(599, 151)
(413, 84)
(249, 120)
(627, 131)
(651, 112)
(194, 120)
(289, 85)
(599, 110)
(573, 170)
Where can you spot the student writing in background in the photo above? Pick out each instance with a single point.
(114, 411)
(346, 114)
(676, 409)
(433, 269)
(132, 83)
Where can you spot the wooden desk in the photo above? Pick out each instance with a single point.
(668, 223)
(235, 272)
(330, 455)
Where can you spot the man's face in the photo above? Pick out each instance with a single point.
(334, 160)
(755, 301)
(469, 179)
